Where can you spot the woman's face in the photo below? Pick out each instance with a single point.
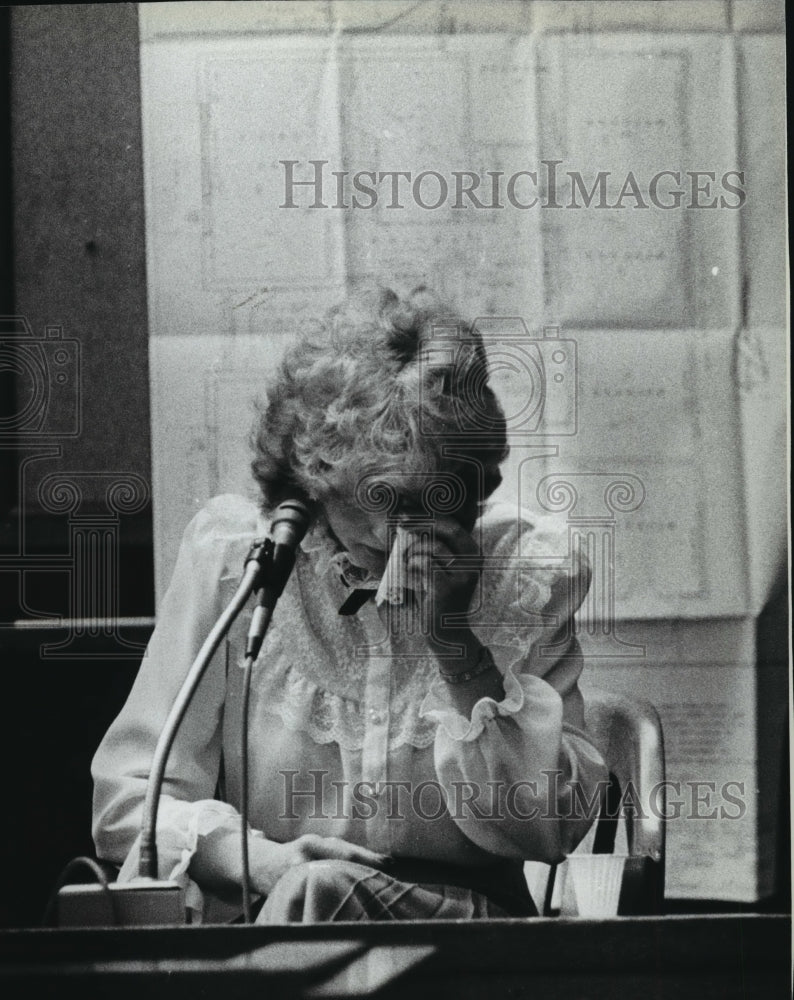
(363, 534)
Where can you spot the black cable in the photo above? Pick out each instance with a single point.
(549, 895)
(101, 877)
(247, 670)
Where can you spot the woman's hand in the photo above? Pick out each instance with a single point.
(269, 860)
(444, 569)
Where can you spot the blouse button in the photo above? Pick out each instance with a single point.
(376, 717)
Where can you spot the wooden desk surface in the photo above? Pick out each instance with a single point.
(652, 958)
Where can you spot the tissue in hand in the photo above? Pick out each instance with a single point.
(394, 582)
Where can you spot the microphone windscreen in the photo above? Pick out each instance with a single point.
(290, 523)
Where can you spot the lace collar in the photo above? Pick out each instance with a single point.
(329, 555)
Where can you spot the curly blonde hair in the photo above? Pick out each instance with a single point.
(385, 390)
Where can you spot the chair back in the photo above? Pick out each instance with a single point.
(628, 732)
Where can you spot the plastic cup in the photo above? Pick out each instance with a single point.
(592, 885)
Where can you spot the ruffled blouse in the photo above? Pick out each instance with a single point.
(352, 732)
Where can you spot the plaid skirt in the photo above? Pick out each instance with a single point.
(320, 891)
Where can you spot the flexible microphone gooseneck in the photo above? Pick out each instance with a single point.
(289, 525)
(266, 570)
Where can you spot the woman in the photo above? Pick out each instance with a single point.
(413, 739)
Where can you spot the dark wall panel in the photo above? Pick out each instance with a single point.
(79, 221)
(75, 517)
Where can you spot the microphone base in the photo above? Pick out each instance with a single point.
(146, 902)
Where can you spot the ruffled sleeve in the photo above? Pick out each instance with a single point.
(522, 775)
(121, 765)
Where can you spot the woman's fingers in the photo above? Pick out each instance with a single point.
(366, 857)
(444, 538)
(446, 533)
(343, 850)
(449, 548)
(311, 847)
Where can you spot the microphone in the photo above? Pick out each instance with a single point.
(276, 559)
